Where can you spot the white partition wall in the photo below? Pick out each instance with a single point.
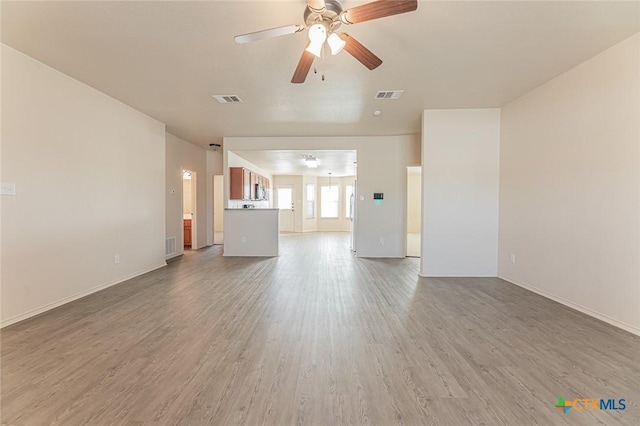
(90, 189)
(460, 177)
(182, 155)
(251, 232)
(570, 187)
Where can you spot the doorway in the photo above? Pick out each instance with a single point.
(414, 210)
(189, 208)
(218, 209)
(350, 195)
(284, 200)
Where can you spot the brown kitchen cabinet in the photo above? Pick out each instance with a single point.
(236, 186)
(247, 185)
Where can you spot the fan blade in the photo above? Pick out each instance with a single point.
(377, 9)
(361, 53)
(316, 6)
(304, 65)
(270, 33)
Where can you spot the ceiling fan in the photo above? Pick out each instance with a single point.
(323, 18)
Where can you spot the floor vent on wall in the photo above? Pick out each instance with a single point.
(389, 94)
(170, 246)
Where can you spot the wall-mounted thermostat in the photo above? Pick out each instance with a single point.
(378, 196)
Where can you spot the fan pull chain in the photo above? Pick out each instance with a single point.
(322, 61)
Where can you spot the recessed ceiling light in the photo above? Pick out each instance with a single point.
(377, 112)
(310, 161)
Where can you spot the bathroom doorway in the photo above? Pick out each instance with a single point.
(189, 208)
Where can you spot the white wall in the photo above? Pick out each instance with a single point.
(570, 187)
(214, 215)
(382, 163)
(182, 155)
(218, 209)
(460, 178)
(89, 175)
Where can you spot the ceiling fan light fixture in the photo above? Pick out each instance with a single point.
(335, 43)
(321, 19)
(317, 34)
(315, 48)
(317, 37)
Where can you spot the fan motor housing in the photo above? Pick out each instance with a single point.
(331, 15)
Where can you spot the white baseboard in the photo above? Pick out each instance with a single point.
(173, 256)
(577, 307)
(76, 296)
(457, 276)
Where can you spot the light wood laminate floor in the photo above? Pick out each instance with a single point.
(313, 337)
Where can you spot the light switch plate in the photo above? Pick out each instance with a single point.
(7, 188)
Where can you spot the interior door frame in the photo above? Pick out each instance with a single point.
(413, 170)
(194, 207)
(217, 209)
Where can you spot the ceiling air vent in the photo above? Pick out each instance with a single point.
(389, 94)
(227, 99)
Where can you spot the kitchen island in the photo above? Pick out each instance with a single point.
(251, 232)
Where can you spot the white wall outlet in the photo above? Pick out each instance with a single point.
(243, 240)
(381, 241)
(116, 259)
(512, 258)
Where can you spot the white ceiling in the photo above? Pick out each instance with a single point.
(167, 58)
(338, 163)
